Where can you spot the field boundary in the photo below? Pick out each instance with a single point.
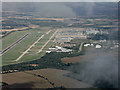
(80, 48)
(47, 42)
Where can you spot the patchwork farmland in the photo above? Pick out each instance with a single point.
(29, 48)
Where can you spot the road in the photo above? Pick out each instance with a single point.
(34, 45)
(12, 45)
(29, 48)
(47, 42)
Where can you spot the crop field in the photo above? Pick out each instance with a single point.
(59, 79)
(29, 46)
(72, 59)
(25, 80)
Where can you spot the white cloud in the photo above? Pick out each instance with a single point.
(60, 0)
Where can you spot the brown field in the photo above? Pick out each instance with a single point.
(108, 26)
(24, 80)
(88, 24)
(72, 59)
(28, 80)
(23, 28)
(56, 76)
(57, 19)
(93, 54)
(79, 59)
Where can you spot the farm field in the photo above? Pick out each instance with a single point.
(10, 56)
(32, 80)
(25, 80)
(57, 77)
(72, 59)
(91, 54)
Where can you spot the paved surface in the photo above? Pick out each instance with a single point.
(47, 42)
(35, 43)
(29, 48)
(12, 45)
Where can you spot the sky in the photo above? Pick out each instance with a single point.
(60, 0)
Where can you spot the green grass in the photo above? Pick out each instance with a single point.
(8, 40)
(32, 55)
(16, 51)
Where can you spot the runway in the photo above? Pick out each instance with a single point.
(12, 45)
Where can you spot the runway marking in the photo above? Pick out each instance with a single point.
(29, 48)
(47, 42)
(12, 45)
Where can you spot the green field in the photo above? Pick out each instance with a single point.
(16, 51)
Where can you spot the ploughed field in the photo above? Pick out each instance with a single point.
(27, 49)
